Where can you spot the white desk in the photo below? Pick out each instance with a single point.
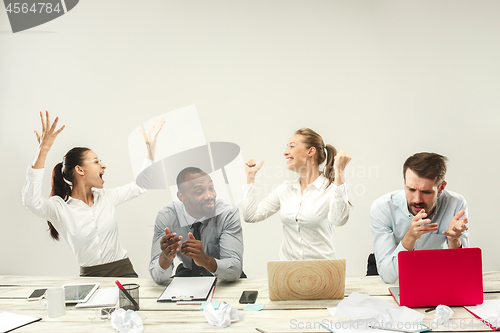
(277, 316)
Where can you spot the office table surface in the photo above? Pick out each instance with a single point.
(277, 316)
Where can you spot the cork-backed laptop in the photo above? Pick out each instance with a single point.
(428, 278)
(306, 279)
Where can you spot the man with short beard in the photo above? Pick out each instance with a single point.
(422, 216)
(202, 231)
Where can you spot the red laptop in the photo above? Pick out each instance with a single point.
(427, 278)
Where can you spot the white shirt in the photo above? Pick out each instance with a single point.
(308, 218)
(91, 232)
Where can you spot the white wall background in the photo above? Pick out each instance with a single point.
(380, 79)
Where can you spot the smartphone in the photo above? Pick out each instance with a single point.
(36, 294)
(248, 296)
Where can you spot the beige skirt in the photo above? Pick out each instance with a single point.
(119, 268)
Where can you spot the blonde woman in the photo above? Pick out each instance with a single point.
(310, 206)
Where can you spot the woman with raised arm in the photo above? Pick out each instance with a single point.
(311, 205)
(79, 209)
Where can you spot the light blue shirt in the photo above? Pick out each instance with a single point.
(390, 220)
(221, 236)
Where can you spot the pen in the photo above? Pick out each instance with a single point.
(127, 295)
(261, 331)
(430, 309)
(384, 328)
(326, 328)
(211, 295)
(424, 329)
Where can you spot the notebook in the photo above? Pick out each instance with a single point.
(306, 279)
(196, 288)
(452, 277)
(11, 321)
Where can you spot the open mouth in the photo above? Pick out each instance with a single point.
(209, 204)
(418, 208)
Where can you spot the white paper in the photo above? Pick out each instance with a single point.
(345, 325)
(443, 314)
(126, 321)
(489, 311)
(181, 143)
(222, 317)
(182, 131)
(103, 297)
(353, 324)
(188, 288)
(235, 173)
(10, 321)
(359, 306)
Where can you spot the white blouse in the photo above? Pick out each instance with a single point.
(91, 232)
(308, 218)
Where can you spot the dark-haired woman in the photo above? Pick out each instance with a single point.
(310, 206)
(79, 209)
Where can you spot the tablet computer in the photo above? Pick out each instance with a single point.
(76, 293)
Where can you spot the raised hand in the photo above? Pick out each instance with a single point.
(49, 132)
(251, 168)
(456, 228)
(341, 160)
(45, 139)
(152, 135)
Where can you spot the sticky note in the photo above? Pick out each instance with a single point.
(214, 304)
(253, 307)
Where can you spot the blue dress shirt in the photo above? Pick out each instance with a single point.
(390, 220)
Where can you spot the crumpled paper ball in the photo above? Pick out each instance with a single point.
(223, 316)
(126, 321)
(443, 314)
